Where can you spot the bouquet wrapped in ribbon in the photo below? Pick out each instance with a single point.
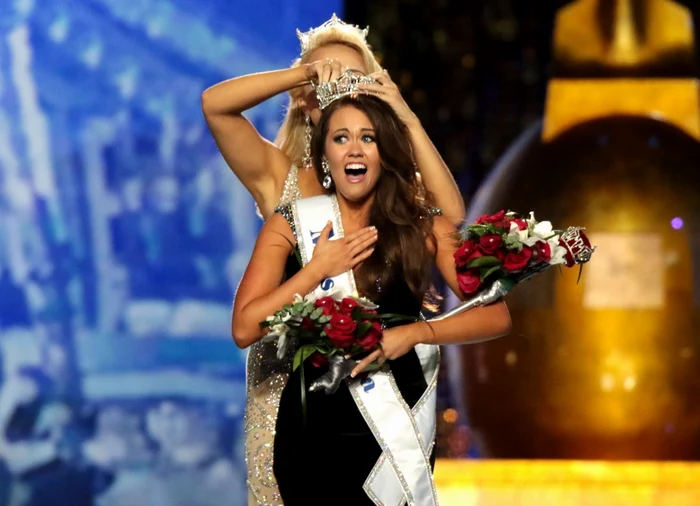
(499, 251)
(325, 331)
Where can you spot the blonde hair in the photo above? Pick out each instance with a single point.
(290, 138)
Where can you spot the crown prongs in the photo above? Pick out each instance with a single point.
(347, 84)
(335, 21)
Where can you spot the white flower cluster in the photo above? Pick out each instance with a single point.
(534, 233)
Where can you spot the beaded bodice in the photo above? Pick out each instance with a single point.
(290, 192)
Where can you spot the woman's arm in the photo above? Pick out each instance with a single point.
(260, 165)
(434, 172)
(477, 324)
(262, 291)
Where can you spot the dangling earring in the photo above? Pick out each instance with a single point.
(307, 161)
(327, 181)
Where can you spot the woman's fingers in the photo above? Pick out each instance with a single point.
(331, 70)
(336, 70)
(325, 233)
(374, 89)
(383, 79)
(359, 246)
(359, 235)
(375, 355)
(361, 257)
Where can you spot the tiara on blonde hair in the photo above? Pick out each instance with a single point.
(335, 21)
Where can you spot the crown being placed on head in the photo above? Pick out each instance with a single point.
(347, 84)
(305, 37)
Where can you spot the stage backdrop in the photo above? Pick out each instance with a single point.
(123, 236)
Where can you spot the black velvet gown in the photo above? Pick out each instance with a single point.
(327, 461)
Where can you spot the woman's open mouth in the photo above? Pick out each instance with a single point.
(355, 172)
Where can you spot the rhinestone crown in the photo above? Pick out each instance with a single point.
(347, 84)
(305, 37)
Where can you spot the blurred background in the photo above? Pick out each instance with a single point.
(123, 236)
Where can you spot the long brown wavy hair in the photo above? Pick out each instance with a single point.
(401, 206)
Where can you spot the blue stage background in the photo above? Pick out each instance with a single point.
(123, 236)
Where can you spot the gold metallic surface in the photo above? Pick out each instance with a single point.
(628, 34)
(572, 102)
(623, 57)
(566, 483)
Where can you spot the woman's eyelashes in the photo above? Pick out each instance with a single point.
(342, 139)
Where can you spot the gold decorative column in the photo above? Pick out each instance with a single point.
(608, 368)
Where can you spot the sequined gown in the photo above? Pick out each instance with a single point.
(327, 461)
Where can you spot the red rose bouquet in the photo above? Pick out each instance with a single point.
(499, 251)
(325, 331)
(505, 246)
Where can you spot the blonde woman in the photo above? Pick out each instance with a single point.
(277, 173)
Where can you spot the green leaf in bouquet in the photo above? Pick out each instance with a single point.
(298, 307)
(316, 314)
(370, 316)
(512, 242)
(302, 382)
(324, 319)
(355, 349)
(302, 354)
(305, 311)
(306, 335)
(485, 261)
(394, 317)
(287, 307)
(485, 273)
(356, 314)
(484, 228)
(362, 328)
(326, 348)
(265, 324)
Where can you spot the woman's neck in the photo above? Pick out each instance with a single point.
(354, 214)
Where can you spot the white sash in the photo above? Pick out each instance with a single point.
(402, 474)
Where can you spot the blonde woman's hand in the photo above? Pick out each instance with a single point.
(333, 257)
(323, 71)
(388, 91)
